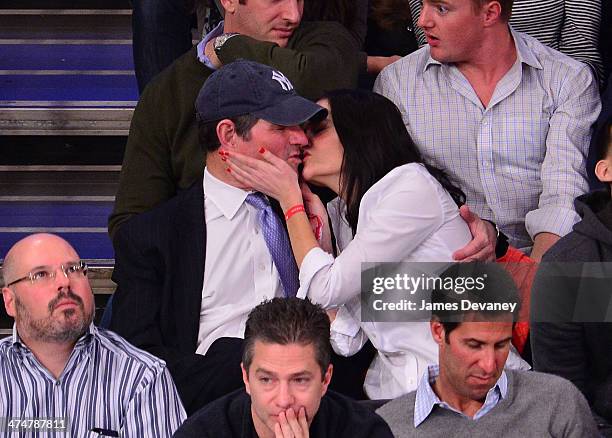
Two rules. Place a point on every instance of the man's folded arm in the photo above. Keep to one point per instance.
(324, 57)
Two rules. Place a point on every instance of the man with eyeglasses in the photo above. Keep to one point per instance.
(58, 372)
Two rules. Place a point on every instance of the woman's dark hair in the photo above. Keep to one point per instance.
(375, 141)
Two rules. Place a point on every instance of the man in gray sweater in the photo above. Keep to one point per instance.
(469, 394)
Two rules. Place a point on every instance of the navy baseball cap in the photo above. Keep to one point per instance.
(246, 87)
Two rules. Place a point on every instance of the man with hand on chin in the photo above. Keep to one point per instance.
(286, 370)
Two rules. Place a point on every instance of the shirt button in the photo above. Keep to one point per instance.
(262, 267)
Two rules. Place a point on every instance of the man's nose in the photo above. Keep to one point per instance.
(292, 11)
(284, 398)
(424, 20)
(298, 136)
(487, 362)
(61, 278)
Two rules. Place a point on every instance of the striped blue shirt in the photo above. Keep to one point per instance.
(520, 160)
(426, 399)
(107, 384)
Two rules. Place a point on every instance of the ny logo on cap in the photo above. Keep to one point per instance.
(282, 80)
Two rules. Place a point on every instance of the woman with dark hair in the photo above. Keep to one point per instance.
(391, 207)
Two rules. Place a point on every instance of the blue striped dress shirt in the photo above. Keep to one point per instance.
(520, 160)
(426, 399)
(107, 385)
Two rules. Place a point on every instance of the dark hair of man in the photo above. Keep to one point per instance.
(375, 141)
(498, 287)
(342, 11)
(207, 131)
(506, 7)
(287, 321)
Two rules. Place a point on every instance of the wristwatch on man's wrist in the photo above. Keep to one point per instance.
(501, 242)
(222, 39)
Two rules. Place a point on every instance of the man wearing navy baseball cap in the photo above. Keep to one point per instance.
(189, 271)
(245, 106)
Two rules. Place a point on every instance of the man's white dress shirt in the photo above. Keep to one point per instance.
(238, 272)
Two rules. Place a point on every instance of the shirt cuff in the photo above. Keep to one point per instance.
(315, 259)
(218, 30)
(345, 324)
(555, 220)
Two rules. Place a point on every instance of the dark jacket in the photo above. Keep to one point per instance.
(159, 271)
(578, 351)
(337, 417)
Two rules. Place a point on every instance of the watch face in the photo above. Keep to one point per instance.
(221, 39)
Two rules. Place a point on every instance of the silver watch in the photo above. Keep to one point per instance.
(222, 39)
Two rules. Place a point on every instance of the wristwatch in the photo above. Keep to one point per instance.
(501, 242)
(222, 39)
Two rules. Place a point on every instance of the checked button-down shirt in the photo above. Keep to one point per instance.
(520, 160)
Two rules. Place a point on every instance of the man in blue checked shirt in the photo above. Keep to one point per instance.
(59, 374)
(468, 394)
(507, 118)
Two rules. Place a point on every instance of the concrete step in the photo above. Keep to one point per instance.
(53, 120)
(53, 28)
(61, 150)
(71, 201)
(66, 71)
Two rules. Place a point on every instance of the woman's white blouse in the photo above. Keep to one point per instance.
(407, 216)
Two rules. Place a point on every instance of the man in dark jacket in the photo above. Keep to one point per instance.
(571, 334)
(286, 371)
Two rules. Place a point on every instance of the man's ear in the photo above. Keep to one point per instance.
(327, 379)
(245, 378)
(492, 12)
(603, 171)
(229, 5)
(437, 331)
(226, 133)
(9, 301)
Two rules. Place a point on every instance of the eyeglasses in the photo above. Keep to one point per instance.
(45, 274)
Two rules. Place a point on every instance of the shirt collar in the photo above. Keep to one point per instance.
(426, 399)
(85, 339)
(524, 53)
(228, 199)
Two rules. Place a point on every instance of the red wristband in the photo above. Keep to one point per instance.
(293, 210)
